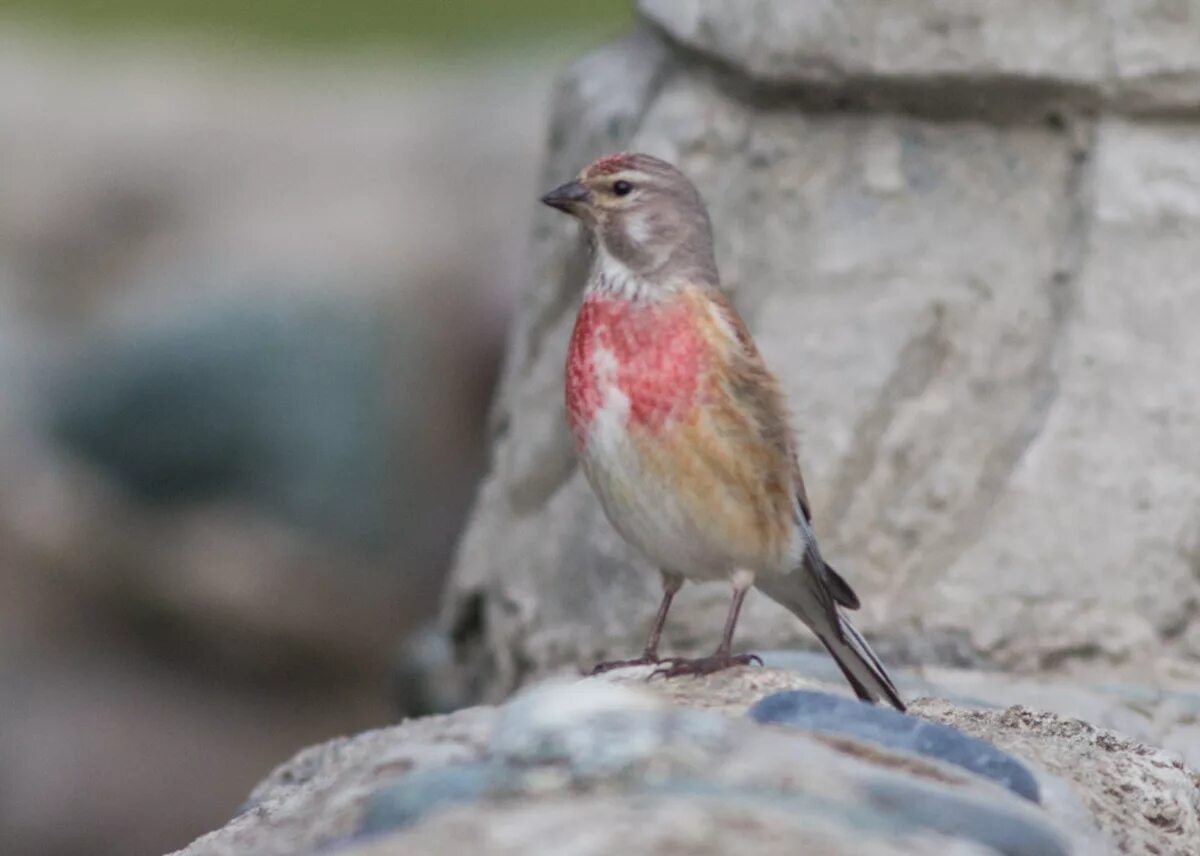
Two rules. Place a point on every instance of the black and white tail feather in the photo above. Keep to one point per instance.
(859, 664)
(816, 594)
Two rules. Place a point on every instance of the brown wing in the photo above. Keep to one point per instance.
(758, 390)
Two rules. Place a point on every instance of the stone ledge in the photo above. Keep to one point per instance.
(1130, 55)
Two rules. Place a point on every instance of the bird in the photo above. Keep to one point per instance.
(680, 428)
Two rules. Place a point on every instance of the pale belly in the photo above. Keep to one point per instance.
(659, 495)
(652, 513)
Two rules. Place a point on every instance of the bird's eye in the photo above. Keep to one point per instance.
(622, 187)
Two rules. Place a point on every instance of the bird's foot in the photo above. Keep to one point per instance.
(675, 667)
(608, 666)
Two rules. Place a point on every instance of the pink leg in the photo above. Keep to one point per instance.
(722, 658)
(671, 584)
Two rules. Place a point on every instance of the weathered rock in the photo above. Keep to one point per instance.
(1161, 710)
(828, 714)
(1155, 54)
(215, 401)
(655, 826)
(585, 763)
(1150, 802)
(1120, 408)
(876, 40)
(415, 795)
(1141, 56)
(1151, 714)
(980, 317)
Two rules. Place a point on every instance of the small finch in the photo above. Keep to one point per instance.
(680, 427)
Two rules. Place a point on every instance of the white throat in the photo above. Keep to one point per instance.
(611, 278)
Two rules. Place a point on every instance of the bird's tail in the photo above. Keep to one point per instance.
(859, 664)
(811, 598)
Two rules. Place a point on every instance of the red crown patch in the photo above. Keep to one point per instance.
(611, 163)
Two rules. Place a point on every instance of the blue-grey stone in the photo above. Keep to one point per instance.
(938, 809)
(410, 797)
(819, 666)
(295, 405)
(832, 714)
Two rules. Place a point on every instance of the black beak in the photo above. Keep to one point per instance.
(567, 197)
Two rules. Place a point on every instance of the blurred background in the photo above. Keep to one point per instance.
(256, 263)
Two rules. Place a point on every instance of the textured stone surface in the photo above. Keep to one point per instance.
(1155, 54)
(611, 763)
(828, 714)
(1141, 56)
(1153, 715)
(980, 317)
(786, 42)
(1155, 808)
(1092, 543)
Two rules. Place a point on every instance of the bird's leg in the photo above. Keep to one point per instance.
(671, 584)
(723, 657)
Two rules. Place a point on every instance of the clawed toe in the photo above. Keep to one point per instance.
(675, 667)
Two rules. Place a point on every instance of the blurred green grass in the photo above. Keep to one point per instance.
(423, 24)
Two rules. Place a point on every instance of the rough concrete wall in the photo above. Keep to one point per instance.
(967, 241)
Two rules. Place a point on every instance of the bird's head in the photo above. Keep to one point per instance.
(644, 214)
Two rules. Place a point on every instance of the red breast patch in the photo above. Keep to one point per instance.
(654, 353)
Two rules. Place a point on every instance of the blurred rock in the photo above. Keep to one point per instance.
(829, 714)
(587, 729)
(412, 797)
(255, 332)
(978, 306)
(617, 764)
(424, 678)
(128, 162)
(309, 407)
(260, 301)
(654, 826)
